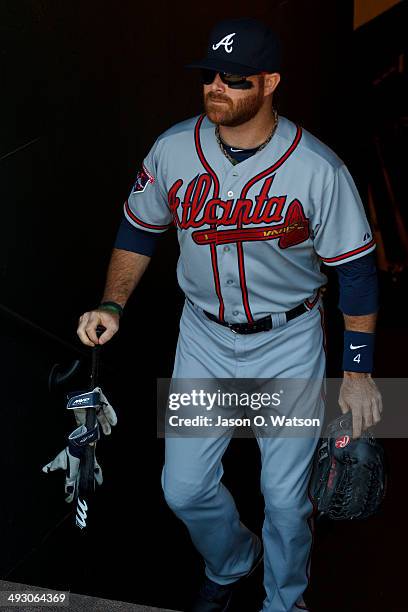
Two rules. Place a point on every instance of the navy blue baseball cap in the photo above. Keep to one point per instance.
(241, 46)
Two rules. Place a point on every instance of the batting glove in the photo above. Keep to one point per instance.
(69, 461)
(70, 464)
(105, 414)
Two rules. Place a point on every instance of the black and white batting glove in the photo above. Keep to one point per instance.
(69, 460)
(105, 413)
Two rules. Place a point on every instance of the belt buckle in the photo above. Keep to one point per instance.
(231, 327)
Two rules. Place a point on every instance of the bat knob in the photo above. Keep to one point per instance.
(99, 330)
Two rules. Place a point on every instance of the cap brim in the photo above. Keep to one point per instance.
(223, 66)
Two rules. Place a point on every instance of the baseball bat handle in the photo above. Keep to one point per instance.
(95, 358)
(86, 483)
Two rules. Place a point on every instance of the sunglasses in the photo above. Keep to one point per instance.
(234, 81)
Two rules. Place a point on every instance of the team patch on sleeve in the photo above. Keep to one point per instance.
(143, 178)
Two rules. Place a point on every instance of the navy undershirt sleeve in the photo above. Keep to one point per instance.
(130, 238)
(358, 285)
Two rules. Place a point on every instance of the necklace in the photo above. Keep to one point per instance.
(261, 146)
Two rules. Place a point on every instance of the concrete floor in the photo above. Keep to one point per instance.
(77, 603)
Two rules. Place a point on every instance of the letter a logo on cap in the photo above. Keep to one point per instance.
(225, 42)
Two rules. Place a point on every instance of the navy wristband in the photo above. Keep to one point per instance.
(358, 351)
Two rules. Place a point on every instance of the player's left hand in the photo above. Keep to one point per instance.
(105, 414)
(360, 394)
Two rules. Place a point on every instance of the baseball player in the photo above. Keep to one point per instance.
(259, 205)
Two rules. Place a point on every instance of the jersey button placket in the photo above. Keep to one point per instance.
(227, 263)
(233, 285)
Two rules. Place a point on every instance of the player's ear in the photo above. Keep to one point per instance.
(271, 81)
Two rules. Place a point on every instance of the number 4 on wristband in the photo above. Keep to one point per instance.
(361, 361)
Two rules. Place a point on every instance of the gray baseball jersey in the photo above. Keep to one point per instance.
(253, 235)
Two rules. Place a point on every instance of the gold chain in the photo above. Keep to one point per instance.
(261, 146)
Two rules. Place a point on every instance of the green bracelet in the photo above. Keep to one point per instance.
(111, 307)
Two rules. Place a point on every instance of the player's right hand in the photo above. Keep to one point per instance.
(88, 323)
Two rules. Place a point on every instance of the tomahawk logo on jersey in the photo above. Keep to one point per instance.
(196, 211)
(253, 235)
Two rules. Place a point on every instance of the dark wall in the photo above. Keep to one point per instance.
(86, 88)
(93, 84)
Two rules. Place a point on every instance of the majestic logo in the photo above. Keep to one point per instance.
(225, 42)
(143, 178)
(342, 441)
(197, 210)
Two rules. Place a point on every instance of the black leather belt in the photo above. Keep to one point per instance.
(264, 324)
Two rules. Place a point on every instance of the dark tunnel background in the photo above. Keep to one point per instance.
(86, 88)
